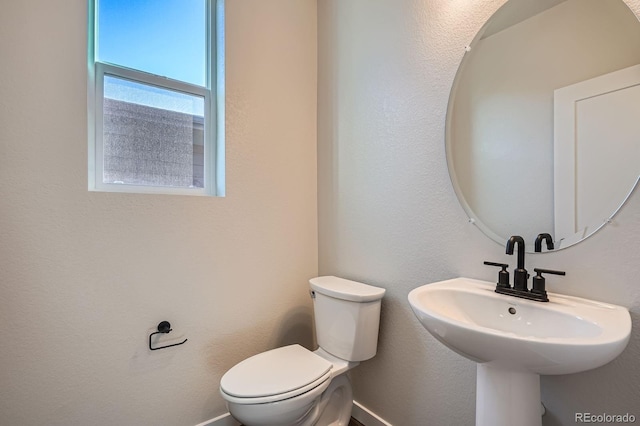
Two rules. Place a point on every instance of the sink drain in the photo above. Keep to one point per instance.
(512, 310)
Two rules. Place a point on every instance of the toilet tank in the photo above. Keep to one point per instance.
(347, 317)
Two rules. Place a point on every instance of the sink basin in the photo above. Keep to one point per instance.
(515, 340)
(562, 336)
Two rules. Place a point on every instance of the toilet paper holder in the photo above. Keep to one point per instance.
(164, 327)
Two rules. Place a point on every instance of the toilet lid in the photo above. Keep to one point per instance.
(339, 288)
(274, 372)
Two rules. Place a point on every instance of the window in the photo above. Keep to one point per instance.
(156, 96)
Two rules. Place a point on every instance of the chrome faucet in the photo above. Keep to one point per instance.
(520, 275)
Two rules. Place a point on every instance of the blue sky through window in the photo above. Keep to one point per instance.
(161, 37)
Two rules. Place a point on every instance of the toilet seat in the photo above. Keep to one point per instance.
(275, 375)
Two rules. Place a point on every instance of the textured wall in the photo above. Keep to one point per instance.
(86, 276)
(388, 214)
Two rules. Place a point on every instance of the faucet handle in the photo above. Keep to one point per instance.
(503, 276)
(548, 271)
(539, 283)
(501, 265)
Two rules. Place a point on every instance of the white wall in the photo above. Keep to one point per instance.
(503, 112)
(86, 276)
(388, 214)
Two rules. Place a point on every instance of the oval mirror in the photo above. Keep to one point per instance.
(543, 123)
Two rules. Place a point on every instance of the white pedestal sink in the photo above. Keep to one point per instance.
(516, 340)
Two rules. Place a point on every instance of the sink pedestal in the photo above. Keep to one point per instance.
(506, 397)
(516, 340)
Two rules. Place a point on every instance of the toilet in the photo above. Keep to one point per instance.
(292, 386)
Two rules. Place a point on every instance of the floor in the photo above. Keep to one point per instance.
(354, 422)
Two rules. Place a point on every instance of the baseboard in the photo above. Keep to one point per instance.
(358, 412)
(223, 420)
(366, 416)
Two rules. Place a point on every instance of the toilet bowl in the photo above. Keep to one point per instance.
(293, 386)
(289, 386)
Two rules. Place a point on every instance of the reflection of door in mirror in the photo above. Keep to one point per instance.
(500, 125)
(596, 150)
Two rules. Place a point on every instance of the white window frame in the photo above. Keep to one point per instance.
(213, 94)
